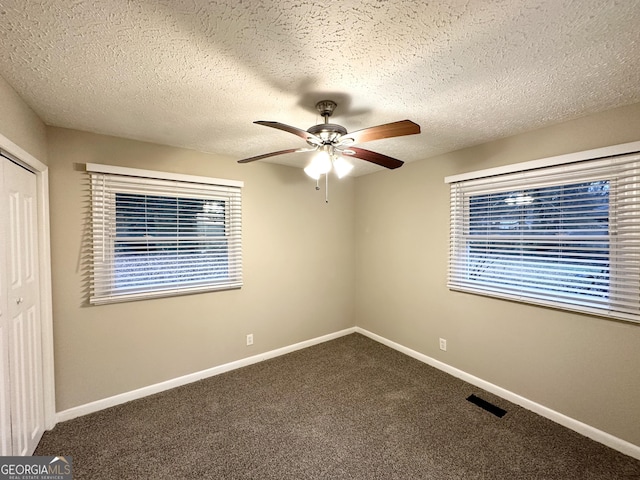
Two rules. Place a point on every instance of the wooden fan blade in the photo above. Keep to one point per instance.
(273, 154)
(388, 130)
(373, 157)
(306, 136)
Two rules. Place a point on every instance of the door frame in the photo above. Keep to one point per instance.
(19, 155)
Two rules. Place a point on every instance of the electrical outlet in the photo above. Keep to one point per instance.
(443, 344)
(250, 339)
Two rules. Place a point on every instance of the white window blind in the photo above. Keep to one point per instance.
(156, 234)
(566, 236)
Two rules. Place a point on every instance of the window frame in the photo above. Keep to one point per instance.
(529, 170)
(155, 183)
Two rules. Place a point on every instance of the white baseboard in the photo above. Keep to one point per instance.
(192, 377)
(588, 431)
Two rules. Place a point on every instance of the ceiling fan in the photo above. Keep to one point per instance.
(333, 142)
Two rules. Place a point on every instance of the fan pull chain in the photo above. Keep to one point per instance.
(326, 188)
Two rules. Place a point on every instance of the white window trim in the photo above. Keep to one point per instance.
(624, 148)
(136, 172)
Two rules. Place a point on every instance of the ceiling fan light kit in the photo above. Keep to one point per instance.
(320, 164)
(342, 167)
(323, 163)
(333, 142)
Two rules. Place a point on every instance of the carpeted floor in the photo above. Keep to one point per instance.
(346, 409)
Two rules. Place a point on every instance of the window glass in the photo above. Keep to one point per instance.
(540, 233)
(171, 239)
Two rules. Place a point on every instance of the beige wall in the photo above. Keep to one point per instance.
(585, 367)
(20, 124)
(298, 274)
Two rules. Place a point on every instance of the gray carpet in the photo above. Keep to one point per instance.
(346, 409)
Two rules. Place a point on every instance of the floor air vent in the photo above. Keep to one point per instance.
(489, 407)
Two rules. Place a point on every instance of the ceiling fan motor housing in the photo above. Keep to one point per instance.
(328, 132)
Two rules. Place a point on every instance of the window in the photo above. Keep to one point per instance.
(157, 234)
(566, 236)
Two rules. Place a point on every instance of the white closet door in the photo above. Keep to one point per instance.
(23, 319)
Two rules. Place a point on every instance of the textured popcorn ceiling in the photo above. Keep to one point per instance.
(196, 74)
